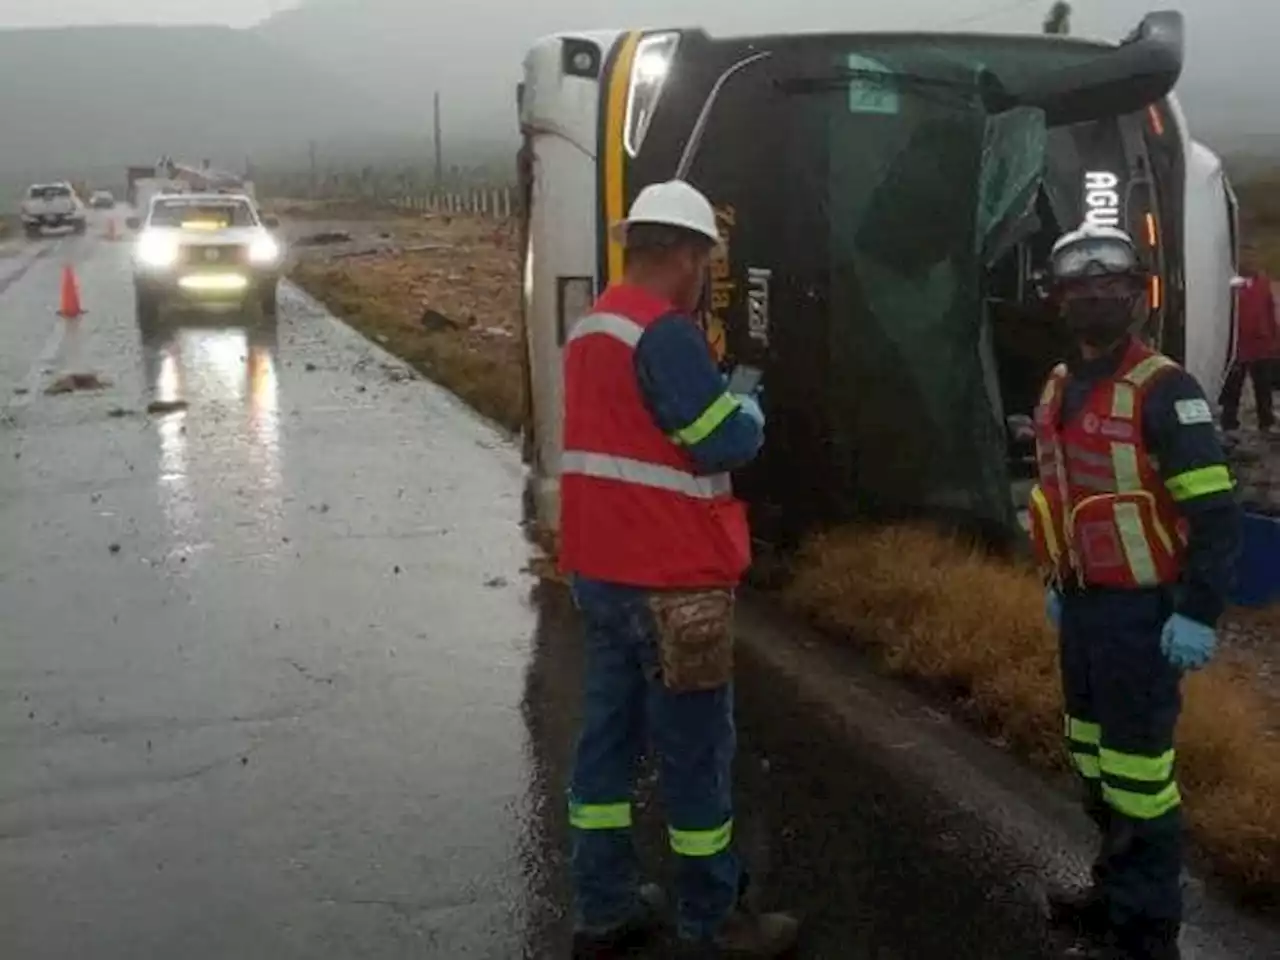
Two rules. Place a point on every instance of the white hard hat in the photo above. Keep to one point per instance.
(675, 204)
(1093, 250)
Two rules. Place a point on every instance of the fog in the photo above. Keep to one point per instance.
(350, 73)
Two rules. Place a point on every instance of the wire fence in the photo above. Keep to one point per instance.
(474, 192)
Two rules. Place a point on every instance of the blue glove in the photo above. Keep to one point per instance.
(751, 407)
(1053, 607)
(1186, 643)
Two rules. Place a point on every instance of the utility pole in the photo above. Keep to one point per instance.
(438, 144)
(311, 149)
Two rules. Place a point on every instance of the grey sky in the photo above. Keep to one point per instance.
(399, 48)
(1106, 17)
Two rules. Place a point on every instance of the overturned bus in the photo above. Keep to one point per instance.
(889, 202)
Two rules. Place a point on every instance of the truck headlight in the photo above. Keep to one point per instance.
(157, 251)
(648, 75)
(264, 251)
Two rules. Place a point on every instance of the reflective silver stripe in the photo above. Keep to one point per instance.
(611, 325)
(602, 466)
(1087, 456)
(1087, 481)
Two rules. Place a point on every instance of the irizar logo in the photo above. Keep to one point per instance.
(1102, 198)
(758, 279)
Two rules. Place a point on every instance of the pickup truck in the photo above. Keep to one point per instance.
(49, 206)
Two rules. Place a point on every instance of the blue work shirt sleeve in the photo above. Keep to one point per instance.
(686, 397)
(1177, 422)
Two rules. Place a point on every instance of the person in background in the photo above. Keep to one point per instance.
(655, 542)
(1257, 348)
(1136, 523)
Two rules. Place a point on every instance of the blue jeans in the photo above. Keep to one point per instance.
(626, 704)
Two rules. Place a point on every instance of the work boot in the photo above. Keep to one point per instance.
(1153, 943)
(631, 933)
(1151, 940)
(747, 936)
(1082, 911)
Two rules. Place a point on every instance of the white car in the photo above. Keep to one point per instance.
(50, 206)
(102, 200)
(201, 247)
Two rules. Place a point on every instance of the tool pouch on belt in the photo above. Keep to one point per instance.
(695, 638)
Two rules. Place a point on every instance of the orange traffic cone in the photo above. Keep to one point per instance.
(111, 228)
(70, 305)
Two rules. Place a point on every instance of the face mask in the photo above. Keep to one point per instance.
(1099, 322)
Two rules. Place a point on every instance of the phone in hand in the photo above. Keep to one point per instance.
(744, 380)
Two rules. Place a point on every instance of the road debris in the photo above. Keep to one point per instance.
(75, 382)
(167, 406)
(323, 238)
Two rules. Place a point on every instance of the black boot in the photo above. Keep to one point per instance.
(632, 933)
(1082, 911)
(746, 934)
(1149, 940)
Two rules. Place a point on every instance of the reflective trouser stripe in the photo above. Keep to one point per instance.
(1200, 483)
(1140, 805)
(1084, 738)
(1139, 786)
(603, 466)
(599, 816)
(1134, 766)
(720, 410)
(702, 843)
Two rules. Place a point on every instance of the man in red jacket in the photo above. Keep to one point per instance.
(1257, 347)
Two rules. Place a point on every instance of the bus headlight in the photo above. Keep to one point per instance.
(264, 251)
(649, 71)
(157, 251)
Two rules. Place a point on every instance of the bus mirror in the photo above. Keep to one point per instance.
(1139, 72)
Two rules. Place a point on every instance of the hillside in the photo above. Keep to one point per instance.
(78, 100)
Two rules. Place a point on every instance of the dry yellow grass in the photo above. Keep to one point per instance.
(477, 355)
(938, 611)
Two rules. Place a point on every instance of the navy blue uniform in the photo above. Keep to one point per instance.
(1122, 694)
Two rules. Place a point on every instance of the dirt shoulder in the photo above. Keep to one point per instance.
(433, 290)
(443, 293)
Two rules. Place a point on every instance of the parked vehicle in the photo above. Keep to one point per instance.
(52, 206)
(102, 200)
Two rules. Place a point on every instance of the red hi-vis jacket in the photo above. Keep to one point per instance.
(1101, 516)
(632, 509)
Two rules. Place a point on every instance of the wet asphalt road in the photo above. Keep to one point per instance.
(274, 683)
